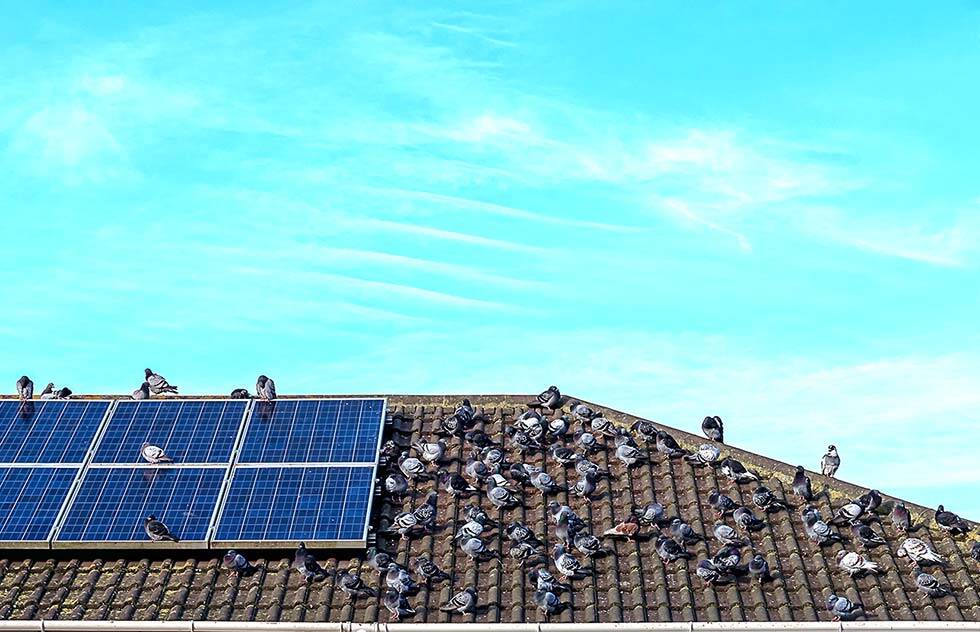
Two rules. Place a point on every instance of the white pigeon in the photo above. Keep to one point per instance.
(830, 461)
(154, 454)
(918, 551)
(855, 563)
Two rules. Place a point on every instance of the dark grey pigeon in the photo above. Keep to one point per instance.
(728, 558)
(646, 430)
(587, 544)
(759, 569)
(950, 522)
(426, 512)
(581, 411)
(712, 574)
(462, 602)
(721, 503)
(25, 387)
(455, 484)
(48, 391)
(765, 499)
(745, 519)
(428, 570)
(158, 384)
(843, 609)
(397, 605)
(143, 392)
(400, 579)
(736, 472)
(901, 518)
(522, 551)
(830, 462)
(584, 487)
(353, 586)
(550, 398)
(518, 532)
(566, 564)
(683, 533)
(727, 535)
(563, 455)
(378, 560)
(306, 564)
(265, 388)
(650, 514)
(713, 428)
(157, 531)
(544, 483)
(666, 444)
(236, 562)
(929, 585)
(819, 531)
(671, 551)
(396, 485)
(866, 535)
(870, 501)
(801, 484)
(975, 551)
(240, 393)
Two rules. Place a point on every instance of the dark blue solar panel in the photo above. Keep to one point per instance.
(48, 431)
(188, 431)
(112, 503)
(296, 503)
(30, 499)
(313, 431)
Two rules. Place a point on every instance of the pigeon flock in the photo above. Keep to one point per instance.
(461, 463)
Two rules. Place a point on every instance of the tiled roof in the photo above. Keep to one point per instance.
(629, 584)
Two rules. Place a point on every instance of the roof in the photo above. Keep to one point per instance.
(630, 584)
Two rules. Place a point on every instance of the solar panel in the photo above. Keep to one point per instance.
(48, 431)
(189, 431)
(111, 504)
(30, 499)
(282, 505)
(313, 431)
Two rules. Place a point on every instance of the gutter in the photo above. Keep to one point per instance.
(252, 626)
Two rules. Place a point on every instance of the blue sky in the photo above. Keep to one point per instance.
(766, 212)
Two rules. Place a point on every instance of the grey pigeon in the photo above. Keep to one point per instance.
(855, 564)
(157, 531)
(475, 549)
(265, 388)
(522, 551)
(586, 466)
(378, 560)
(630, 455)
(849, 512)
(154, 454)
(412, 468)
(830, 462)
(397, 604)
(801, 484)
(390, 452)
(518, 533)
(404, 524)
(584, 487)
(477, 470)
(671, 551)
(426, 512)
(587, 544)
(236, 562)
(975, 551)
(544, 483)
(430, 452)
(522, 472)
(588, 442)
(477, 514)
(563, 455)
(721, 503)
(683, 533)
(550, 398)
(765, 499)
(428, 570)
(736, 472)
(544, 580)
(728, 558)
(866, 535)
(455, 484)
(462, 602)
(353, 586)
(706, 454)
(500, 496)
(713, 428)
(564, 529)
(843, 609)
(547, 602)
(143, 392)
(25, 387)
(158, 384)
(469, 529)
(522, 441)
(306, 564)
(726, 535)
(929, 585)
(603, 427)
(558, 427)
(817, 530)
(396, 485)
(565, 563)
(581, 411)
(950, 522)
(240, 393)
(870, 501)
(667, 445)
(759, 568)
(399, 579)
(901, 518)
(745, 519)
(48, 391)
(645, 429)
(712, 574)
(650, 514)
(465, 412)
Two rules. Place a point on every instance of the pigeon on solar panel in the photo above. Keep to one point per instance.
(265, 388)
(950, 522)
(306, 564)
(683, 533)
(919, 553)
(26, 410)
(650, 514)
(710, 573)
(929, 584)
(462, 602)
(240, 393)
(550, 398)
(901, 518)
(801, 484)
(736, 472)
(759, 569)
(399, 579)
(765, 499)
(397, 604)
(428, 570)
(745, 519)
(157, 531)
(48, 392)
(722, 504)
(667, 445)
(565, 563)
(817, 530)
(975, 551)
(236, 562)
(866, 535)
(547, 602)
(706, 454)
(713, 428)
(628, 528)
(455, 484)
(154, 454)
(843, 608)
(726, 535)
(143, 392)
(353, 586)
(430, 452)
(630, 455)
(580, 411)
(855, 564)
(378, 560)
(412, 468)
(396, 485)
(63, 393)
(830, 461)
(671, 551)
(584, 487)
(25, 387)
(848, 512)
(646, 430)
(158, 384)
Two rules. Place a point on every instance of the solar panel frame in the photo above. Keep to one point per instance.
(49, 403)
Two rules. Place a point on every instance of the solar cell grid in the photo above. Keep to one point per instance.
(30, 499)
(48, 431)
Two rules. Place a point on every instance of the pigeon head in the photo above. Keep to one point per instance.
(262, 380)
(147, 372)
(941, 508)
(831, 448)
(231, 553)
(799, 468)
(466, 402)
(151, 517)
(831, 600)
(840, 555)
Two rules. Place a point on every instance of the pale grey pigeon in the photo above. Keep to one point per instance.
(143, 392)
(154, 454)
(830, 462)
(158, 384)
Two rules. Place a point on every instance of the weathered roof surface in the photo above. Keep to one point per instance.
(630, 584)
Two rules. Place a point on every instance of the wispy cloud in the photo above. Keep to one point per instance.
(443, 235)
(682, 209)
(473, 32)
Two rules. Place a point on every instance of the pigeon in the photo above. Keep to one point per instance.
(650, 514)
(550, 398)
(830, 462)
(706, 454)
(713, 428)
(580, 411)
(849, 512)
(240, 393)
(412, 468)
(587, 544)
(557, 511)
(154, 454)
(843, 609)
(819, 531)
(919, 553)
(671, 551)
(728, 558)
(476, 469)
(630, 455)
(378, 560)
(462, 602)
(522, 441)
(450, 426)
(478, 438)
(866, 535)
(759, 568)
(353, 586)
(493, 457)
(950, 522)
(721, 503)
(25, 387)
(143, 392)
(929, 585)
(518, 533)
(544, 483)
(265, 388)
(425, 513)
(390, 451)
(870, 501)
(476, 549)
(901, 518)
(801, 484)
(603, 427)
(544, 580)
(628, 528)
(236, 562)
(726, 535)
(404, 524)
(430, 452)
(306, 564)
(566, 564)
(745, 519)
(26, 410)
(157, 531)
(558, 427)
(584, 487)
(682, 532)
(397, 604)
(399, 579)
(766, 500)
(975, 551)
(469, 529)
(500, 496)
(587, 441)
(522, 472)
(428, 570)
(563, 455)
(667, 445)
(712, 574)
(856, 564)
(455, 484)
(48, 392)
(522, 551)
(547, 602)
(645, 429)
(158, 384)
(586, 466)
(477, 514)
(396, 485)
(736, 472)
